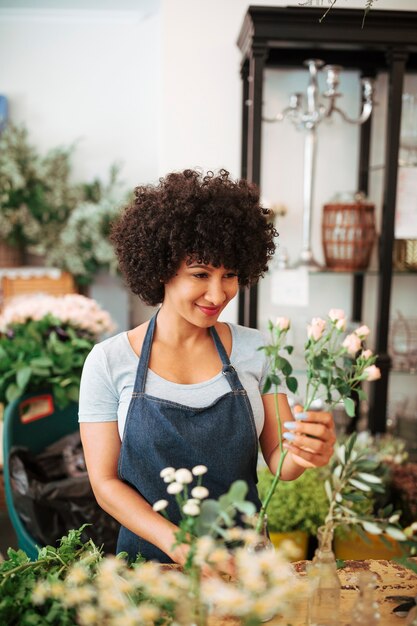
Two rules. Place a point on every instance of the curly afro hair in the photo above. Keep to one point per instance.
(188, 215)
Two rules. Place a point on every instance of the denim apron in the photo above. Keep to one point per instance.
(160, 433)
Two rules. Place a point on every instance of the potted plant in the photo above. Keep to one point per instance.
(387, 456)
(297, 508)
(83, 247)
(36, 196)
(44, 341)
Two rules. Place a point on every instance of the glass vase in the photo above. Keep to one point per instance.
(365, 611)
(261, 541)
(324, 584)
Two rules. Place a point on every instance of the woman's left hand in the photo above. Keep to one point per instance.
(311, 439)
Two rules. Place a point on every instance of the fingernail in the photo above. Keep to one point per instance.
(289, 436)
(301, 416)
(290, 425)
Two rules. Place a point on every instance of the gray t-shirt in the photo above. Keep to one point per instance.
(110, 369)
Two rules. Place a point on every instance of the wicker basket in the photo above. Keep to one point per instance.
(348, 232)
(404, 255)
(10, 256)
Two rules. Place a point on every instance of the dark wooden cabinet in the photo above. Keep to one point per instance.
(273, 37)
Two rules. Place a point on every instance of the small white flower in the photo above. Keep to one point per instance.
(194, 501)
(183, 476)
(200, 492)
(192, 509)
(199, 470)
(175, 488)
(160, 505)
(167, 471)
(169, 479)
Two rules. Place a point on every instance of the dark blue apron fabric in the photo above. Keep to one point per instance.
(160, 433)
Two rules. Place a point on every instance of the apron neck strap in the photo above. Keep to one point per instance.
(220, 347)
(144, 355)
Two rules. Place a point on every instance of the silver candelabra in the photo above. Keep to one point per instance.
(307, 120)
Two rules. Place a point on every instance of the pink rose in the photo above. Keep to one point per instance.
(316, 328)
(366, 354)
(362, 331)
(336, 314)
(372, 373)
(352, 343)
(338, 318)
(282, 323)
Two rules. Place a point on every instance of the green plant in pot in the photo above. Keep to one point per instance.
(297, 508)
(44, 341)
(36, 196)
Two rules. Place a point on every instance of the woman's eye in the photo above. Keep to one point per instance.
(231, 275)
(200, 275)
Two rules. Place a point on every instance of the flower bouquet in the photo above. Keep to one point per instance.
(44, 341)
(336, 365)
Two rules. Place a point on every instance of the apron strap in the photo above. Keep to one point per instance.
(144, 356)
(228, 370)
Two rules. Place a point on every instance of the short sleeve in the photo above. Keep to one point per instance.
(98, 398)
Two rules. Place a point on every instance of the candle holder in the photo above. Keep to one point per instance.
(307, 119)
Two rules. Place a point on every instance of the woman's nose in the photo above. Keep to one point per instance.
(216, 293)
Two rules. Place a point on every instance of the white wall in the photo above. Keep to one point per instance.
(155, 84)
(90, 76)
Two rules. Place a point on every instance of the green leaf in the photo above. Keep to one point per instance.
(369, 478)
(23, 376)
(12, 392)
(371, 528)
(247, 508)
(349, 406)
(292, 384)
(267, 385)
(41, 362)
(289, 349)
(328, 490)
(275, 380)
(395, 533)
(359, 485)
(354, 497)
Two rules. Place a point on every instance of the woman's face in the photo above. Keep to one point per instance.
(199, 293)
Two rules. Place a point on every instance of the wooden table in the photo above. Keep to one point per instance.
(392, 579)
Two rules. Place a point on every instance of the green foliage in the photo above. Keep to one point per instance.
(83, 247)
(19, 575)
(215, 515)
(42, 354)
(36, 196)
(353, 484)
(280, 369)
(299, 504)
(43, 211)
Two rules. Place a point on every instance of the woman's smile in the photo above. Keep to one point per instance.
(209, 310)
(199, 292)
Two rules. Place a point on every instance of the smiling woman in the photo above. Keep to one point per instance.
(183, 389)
